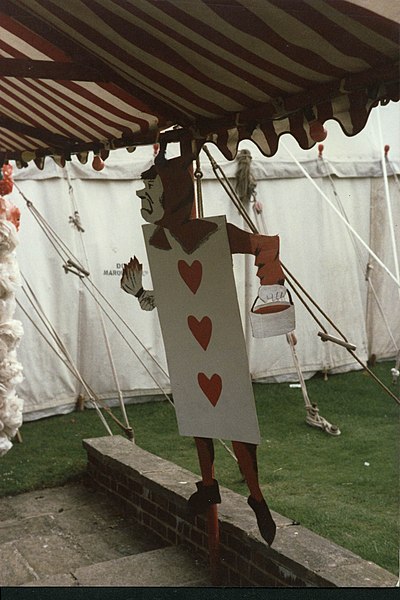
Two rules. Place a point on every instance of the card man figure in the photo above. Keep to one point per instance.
(190, 261)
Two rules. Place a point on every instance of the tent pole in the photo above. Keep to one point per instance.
(369, 266)
(212, 512)
(325, 197)
(213, 544)
(67, 360)
(387, 198)
(100, 314)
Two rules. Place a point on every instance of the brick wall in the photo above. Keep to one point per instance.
(155, 491)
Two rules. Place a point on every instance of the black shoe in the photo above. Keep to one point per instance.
(265, 522)
(206, 495)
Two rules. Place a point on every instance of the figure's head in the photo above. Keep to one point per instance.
(151, 196)
(168, 194)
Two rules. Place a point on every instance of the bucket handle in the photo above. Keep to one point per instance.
(272, 303)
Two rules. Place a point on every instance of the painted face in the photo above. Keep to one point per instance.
(151, 196)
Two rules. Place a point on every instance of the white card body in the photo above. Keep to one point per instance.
(203, 337)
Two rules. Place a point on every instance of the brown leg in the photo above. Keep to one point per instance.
(207, 489)
(205, 453)
(247, 457)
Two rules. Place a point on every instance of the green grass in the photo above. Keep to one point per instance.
(320, 480)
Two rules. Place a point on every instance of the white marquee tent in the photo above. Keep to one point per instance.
(316, 246)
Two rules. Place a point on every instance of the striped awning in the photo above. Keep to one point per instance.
(80, 76)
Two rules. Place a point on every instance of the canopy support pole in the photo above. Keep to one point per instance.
(80, 230)
(360, 259)
(342, 218)
(388, 200)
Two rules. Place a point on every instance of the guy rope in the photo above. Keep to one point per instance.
(71, 264)
(369, 266)
(297, 287)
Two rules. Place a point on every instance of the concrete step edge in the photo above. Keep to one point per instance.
(168, 566)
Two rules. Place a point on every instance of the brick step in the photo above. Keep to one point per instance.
(172, 566)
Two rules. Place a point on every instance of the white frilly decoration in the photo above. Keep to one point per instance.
(11, 332)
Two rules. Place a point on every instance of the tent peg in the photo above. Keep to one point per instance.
(129, 434)
(325, 337)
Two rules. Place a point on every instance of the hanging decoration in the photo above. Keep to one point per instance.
(245, 185)
(317, 131)
(10, 329)
(98, 163)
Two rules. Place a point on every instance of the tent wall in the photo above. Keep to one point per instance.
(315, 246)
(105, 210)
(383, 301)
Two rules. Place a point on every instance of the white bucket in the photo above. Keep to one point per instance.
(274, 317)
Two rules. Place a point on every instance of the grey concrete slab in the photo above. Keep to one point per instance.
(63, 580)
(50, 501)
(349, 573)
(196, 584)
(117, 542)
(36, 503)
(16, 529)
(48, 535)
(51, 554)
(166, 567)
(316, 552)
(14, 569)
(83, 519)
(238, 513)
(7, 511)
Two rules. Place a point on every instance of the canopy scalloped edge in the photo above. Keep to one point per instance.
(350, 106)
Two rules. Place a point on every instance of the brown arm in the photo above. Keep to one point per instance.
(265, 248)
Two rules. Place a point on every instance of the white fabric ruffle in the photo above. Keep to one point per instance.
(11, 331)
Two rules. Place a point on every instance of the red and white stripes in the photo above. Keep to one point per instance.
(207, 64)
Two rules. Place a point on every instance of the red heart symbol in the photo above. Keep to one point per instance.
(191, 274)
(201, 330)
(211, 387)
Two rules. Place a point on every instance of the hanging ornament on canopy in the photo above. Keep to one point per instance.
(98, 163)
(317, 131)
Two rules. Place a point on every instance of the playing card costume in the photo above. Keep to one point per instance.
(194, 291)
